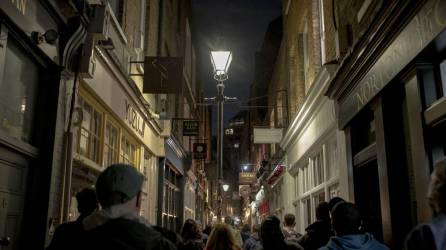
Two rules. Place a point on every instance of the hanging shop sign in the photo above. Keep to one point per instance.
(191, 128)
(200, 151)
(247, 178)
(267, 135)
(163, 75)
(276, 174)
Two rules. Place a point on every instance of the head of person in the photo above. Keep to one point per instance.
(256, 228)
(333, 202)
(207, 230)
(437, 188)
(221, 238)
(246, 228)
(323, 212)
(229, 221)
(289, 220)
(86, 201)
(270, 233)
(119, 184)
(346, 219)
(191, 230)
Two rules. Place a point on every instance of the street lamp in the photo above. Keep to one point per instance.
(221, 60)
(225, 187)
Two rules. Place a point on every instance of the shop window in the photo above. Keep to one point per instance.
(111, 150)
(333, 191)
(306, 208)
(170, 213)
(443, 76)
(129, 152)
(90, 132)
(317, 199)
(332, 167)
(318, 168)
(18, 92)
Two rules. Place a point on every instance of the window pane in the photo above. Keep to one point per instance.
(18, 90)
(443, 76)
(333, 190)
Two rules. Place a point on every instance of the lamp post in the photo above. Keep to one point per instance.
(221, 60)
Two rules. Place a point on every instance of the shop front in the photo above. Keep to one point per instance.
(315, 155)
(111, 126)
(30, 80)
(394, 118)
(171, 186)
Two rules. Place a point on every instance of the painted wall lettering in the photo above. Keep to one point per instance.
(423, 28)
(134, 119)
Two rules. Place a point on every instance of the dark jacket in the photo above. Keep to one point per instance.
(69, 233)
(253, 242)
(195, 244)
(318, 234)
(125, 234)
(354, 242)
(428, 236)
(285, 245)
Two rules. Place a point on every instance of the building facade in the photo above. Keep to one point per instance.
(391, 109)
(32, 85)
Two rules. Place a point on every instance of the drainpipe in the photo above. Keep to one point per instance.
(68, 146)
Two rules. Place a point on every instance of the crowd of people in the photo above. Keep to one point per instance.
(338, 224)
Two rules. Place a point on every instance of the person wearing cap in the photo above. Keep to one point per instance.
(118, 225)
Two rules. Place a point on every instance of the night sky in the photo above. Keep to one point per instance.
(235, 25)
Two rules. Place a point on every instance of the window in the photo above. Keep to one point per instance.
(317, 199)
(306, 55)
(171, 211)
(306, 208)
(117, 7)
(110, 144)
(332, 166)
(443, 76)
(318, 168)
(18, 92)
(129, 152)
(89, 137)
(333, 190)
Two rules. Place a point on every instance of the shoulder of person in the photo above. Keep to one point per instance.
(421, 237)
(292, 245)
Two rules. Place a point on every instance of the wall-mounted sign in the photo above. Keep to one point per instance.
(190, 128)
(163, 75)
(247, 178)
(267, 135)
(200, 151)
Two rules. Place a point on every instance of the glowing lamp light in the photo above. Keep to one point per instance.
(221, 61)
(225, 187)
(245, 167)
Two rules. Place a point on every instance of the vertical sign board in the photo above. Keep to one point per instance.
(191, 128)
(200, 151)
